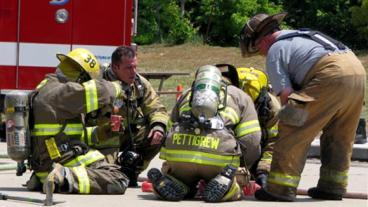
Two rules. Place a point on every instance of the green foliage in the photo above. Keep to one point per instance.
(220, 21)
(360, 21)
(160, 21)
(332, 17)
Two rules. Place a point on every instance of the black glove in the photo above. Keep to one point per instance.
(261, 179)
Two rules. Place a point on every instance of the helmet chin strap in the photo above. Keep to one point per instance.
(83, 77)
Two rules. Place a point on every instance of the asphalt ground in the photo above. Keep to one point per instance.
(11, 185)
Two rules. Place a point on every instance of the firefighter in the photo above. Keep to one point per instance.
(60, 139)
(145, 118)
(321, 86)
(254, 82)
(213, 125)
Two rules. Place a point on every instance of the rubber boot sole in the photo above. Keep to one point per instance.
(215, 191)
(165, 187)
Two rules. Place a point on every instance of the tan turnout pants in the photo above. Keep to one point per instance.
(332, 96)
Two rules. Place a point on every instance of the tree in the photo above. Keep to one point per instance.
(332, 17)
(160, 21)
(360, 21)
(220, 21)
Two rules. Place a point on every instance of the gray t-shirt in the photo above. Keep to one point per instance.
(289, 60)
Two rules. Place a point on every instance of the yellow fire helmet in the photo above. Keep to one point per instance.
(252, 81)
(79, 60)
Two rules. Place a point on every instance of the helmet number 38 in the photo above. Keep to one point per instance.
(91, 61)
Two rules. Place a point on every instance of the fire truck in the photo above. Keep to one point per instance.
(32, 32)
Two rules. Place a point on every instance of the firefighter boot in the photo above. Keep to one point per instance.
(263, 195)
(316, 193)
(219, 187)
(59, 180)
(361, 134)
(34, 183)
(167, 187)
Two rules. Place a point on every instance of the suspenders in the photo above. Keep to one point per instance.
(326, 41)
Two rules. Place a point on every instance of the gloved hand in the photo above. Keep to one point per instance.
(156, 135)
(261, 178)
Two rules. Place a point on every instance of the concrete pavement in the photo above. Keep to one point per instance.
(12, 185)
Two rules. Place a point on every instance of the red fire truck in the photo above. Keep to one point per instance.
(33, 31)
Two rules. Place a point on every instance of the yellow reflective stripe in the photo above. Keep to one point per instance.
(87, 138)
(273, 131)
(53, 129)
(73, 129)
(42, 176)
(83, 180)
(283, 179)
(42, 83)
(46, 129)
(198, 157)
(160, 117)
(117, 89)
(247, 128)
(185, 107)
(169, 125)
(267, 157)
(231, 114)
(86, 159)
(334, 176)
(235, 188)
(91, 95)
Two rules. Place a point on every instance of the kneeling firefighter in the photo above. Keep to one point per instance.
(61, 151)
(213, 125)
(254, 82)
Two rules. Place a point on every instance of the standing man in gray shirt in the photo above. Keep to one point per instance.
(321, 86)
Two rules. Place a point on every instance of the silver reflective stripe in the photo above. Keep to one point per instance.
(53, 129)
(334, 176)
(86, 159)
(283, 179)
(198, 157)
(247, 128)
(91, 95)
(83, 180)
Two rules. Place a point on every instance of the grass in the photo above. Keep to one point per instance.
(188, 57)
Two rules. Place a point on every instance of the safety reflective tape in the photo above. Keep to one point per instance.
(42, 176)
(52, 148)
(117, 89)
(273, 131)
(160, 117)
(198, 157)
(53, 129)
(86, 159)
(87, 138)
(247, 128)
(235, 188)
(83, 179)
(169, 125)
(334, 176)
(42, 83)
(266, 157)
(231, 114)
(184, 108)
(283, 179)
(91, 95)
